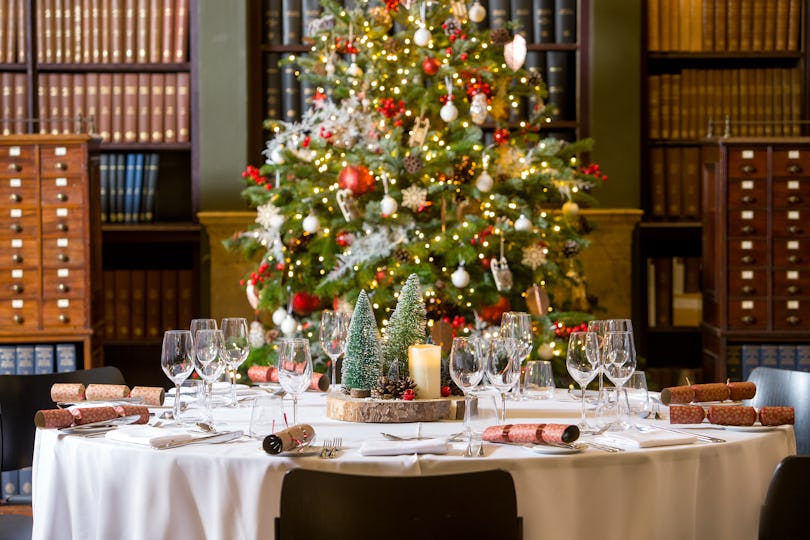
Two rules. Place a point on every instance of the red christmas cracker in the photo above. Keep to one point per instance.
(53, 418)
(130, 410)
(67, 392)
(263, 373)
(686, 414)
(152, 395)
(88, 415)
(104, 392)
(711, 392)
(532, 433)
(739, 391)
(732, 415)
(677, 394)
(776, 416)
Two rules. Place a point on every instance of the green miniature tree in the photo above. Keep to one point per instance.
(406, 326)
(362, 363)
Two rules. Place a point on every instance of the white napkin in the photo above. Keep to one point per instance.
(647, 439)
(396, 448)
(147, 435)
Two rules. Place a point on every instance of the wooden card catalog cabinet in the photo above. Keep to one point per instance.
(756, 246)
(50, 256)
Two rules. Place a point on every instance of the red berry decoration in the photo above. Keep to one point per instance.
(408, 395)
(430, 66)
(501, 136)
(356, 179)
(446, 391)
(344, 239)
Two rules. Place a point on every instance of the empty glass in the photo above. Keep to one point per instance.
(582, 362)
(208, 361)
(177, 361)
(333, 334)
(602, 327)
(619, 365)
(192, 402)
(483, 413)
(538, 381)
(466, 369)
(638, 398)
(501, 365)
(294, 368)
(518, 325)
(235, 349)
(266, 416)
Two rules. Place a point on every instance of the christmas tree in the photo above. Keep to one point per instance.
(405, 328)
(362, 363)
(407, 162)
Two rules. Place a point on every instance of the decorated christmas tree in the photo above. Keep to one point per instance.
(405, 328)
(424, 151)
(363, 361)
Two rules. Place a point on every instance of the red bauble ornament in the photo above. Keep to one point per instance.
(430, 66)
(446, 391)
(492, 314)
(344, 238)
(356, 179)
(501, 136)
(304, 303)
(408, 395)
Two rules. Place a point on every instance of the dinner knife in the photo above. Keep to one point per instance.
(224, 436)
(120, 421)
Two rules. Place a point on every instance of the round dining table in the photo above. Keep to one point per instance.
(97, 488)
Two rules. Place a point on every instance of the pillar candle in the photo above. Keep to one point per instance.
(425, 367)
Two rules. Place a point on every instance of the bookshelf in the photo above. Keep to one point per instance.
(557, 33)
(709, 68)
(124, 70)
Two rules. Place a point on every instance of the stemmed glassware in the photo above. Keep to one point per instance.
(582, 362)
(235, 349)
(518, 325)
(333, 334)
(208, 361)
(294, 368)
(602, 327)
(177, 361)
(501, 365)
(619, 365)
(466, 369)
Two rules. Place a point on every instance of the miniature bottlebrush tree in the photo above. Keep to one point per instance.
(362, 364)
(406, 326)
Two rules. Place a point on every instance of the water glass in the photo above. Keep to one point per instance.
(501, 365)
(619, 365)
(208, 361)
(582, 363)
(235, 349)
(482, 413)
(466, 369)
(333, 334)
(637, 396)
(294, 368)
(518, 325)
(192, 402)
(266, 416)
(177, 360)
(538, 381)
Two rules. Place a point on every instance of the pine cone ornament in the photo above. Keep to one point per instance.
(401, 255)
(500, 36)
(535, 78)
(451, 26)
(412, 164)
(392, 45)
(570, 248)
(390, 388)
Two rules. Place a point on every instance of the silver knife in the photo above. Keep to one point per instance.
(120, 421)
(224, 436)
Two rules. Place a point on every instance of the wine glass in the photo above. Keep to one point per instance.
(602, 327)
(235, 349)
(333, 334)
(294, 368)
(619, 365)
(502, 366)
(518, 325)
(582, 362)
(208, 361)
(466, 369)
(177, 361)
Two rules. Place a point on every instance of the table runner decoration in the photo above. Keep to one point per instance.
(532, 433)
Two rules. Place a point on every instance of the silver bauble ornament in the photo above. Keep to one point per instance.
(484, 182)
(523, 223)
(422, 37)
(256, 335)
(570, 209)
(311, 224)
(448, 112)
(354, 71)
(477, 13)
(478, 109)
(277, 155)
(460, 278)
(279, 315)
(289, 325)
(388, 206)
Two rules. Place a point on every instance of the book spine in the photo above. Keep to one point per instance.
(290, 22)
(658, 186)
(310, 11)
(290, 98)
(306, 90)
(7, 104)
(70, 10)
(116, 32)
(129, 188)
(168, 299)
(734, 363)
(691, 182)
(664, 25)
(105, 105)
(733, 25)
(684, 24)
(180, 30)
(120, 183)
(137, 188)
(272, 21)
(746, 24)
(42, 103)
(769, 30)
(130, 31)
(109, 297)
(150, 180)
(122, 305)
(557, 81)
(272, 86)
(66, 102)
(144, 107)
(20, 102)
(8, 354)
(155, 31)
(185, 298)
(673, 178)
(769, 356)
(6, 31)
(43, 358)
(56, 29)
(522, 16)
(170, 108)
(153, 305)
(707, 26)
(66, 357)
(565, 21)
(498, 13)
(105, 29)
(675, 107)
(156, 116)
(21, 12)
(117, 111)
(696, 25)
(803, 358)
(54, 104)
(665, 118)
(543, 21)
(87, 29)
(720, 25)
(787, 356)
(25, 481)
(114, 211)
(142, 36)
(183, 98)
(130, 107)
(138, 299)
(663, 292)
(167, 37)
(24, 361)
(79, 104)
(104, 181)
(92, 103)
(794, 24)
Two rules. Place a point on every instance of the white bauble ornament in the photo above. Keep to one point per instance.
(484, 182)
(354, 70)
(388, 206)
(478, 108)
(460, 278)
(311, 224)
(545, 351)
(277, 221)
(250, 292)
(570, 209)
(279, 315)
(422, 37)
(523, 223)
(477, 13)
(448, 112)
(289, 325)
(256, 335)
(277, 155)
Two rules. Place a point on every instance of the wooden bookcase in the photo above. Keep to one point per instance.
(127, 72)
(709, 68)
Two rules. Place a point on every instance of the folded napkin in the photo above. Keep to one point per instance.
(647, 439)
(147, 435)
(396, 448)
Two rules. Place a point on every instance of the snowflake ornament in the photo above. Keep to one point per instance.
(269, 216)
(414, 197)
(534, 256)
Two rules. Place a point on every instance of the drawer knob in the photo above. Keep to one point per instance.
(749, 199)
(748, 229)
(749, 319)
(15, 197)
(748, 289)
(63, 287)
(793, 290)
(61, 197)
(748, 259)
(17, 318)
(61, 166)
(794, 259)
(793, 320)
(62, 226)
(64, 318)
(795, 229)
(794, 168)
(16, 227)
(748, 169)
(63, 257)
(16, 167)
(17, 258)
(794, 199)
(17, 288)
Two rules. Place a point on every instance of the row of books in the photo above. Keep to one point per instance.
(128, 186)
(724, 25)
(675, 183)
(742, 359)
(30, 359)
(758, 102)
(288, 22)
(673, 292)
(141, 304)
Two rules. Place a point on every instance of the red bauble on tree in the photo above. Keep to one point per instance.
(430, 65)
(303, 303)
(357, 179)
(344, 238)
(492, 314)
(501, 136)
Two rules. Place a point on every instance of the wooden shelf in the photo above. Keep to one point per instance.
(115, 68)
(151, 232)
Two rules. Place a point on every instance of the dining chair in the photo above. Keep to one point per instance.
(784, 514)
(319, 504)
(786, 387)
(21, 396)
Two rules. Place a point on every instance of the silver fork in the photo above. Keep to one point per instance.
(337, 443)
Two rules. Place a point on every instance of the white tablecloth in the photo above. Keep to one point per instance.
(92, 488)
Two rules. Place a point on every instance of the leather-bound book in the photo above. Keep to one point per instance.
(663, 292)
(185, 298)
(781, 23)
(109, 305)
(720, 25)
(794, 24)
(158, 83)
(746, 24)
(130, 107)
(67, 123)
(123, 328)
(42, 103)
(67, 30)
(91, 101)
(707, 25)
(142, 37)
(56, 29)
(183, 97)
(565, 21)
(690, 182)
(658, 183)
(498, 13)
(6, 102)
(170, 108)
(130, 31)
(522, 16)
(291, 22)
(168, 297)
(144, 107)
(271, 10)
(138, 303)
(105, 29)
(272, 86)
(167, 36)
(672, 157)
(117, 122)
(290, 96)
(116, 32)
(769, 30)
(87, 30)
(180, 30)
(155, 23)
(733, 25)
(543, 20)
(153, 305)
(54, 111)
(20, 102)
(22, 31)
(558, 82)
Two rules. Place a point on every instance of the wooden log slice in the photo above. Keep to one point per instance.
(387, 411)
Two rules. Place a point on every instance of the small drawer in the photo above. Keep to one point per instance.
(791, 223)
(791, 282)
(791, 162)
(19, 282)
(61, 160)
(747, 251)
(748, 313)
(63, 282)
(748, 162)
(747, 222)
(747, 193)
(64, 313)
(22, 221)
(19, 250)
(791, 193)
(62, 220)
(67, 250)
(18, 314)
(19, 190)
(791, 314)
(16, 160)
(747, 282)
(791, 252)
(62, 190)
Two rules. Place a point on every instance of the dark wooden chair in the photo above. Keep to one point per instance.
(21, 396)
(786, 387)
(784, 514)
(317, 504)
